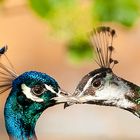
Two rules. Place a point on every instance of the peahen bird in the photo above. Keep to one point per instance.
(102, 86)
(31, 93)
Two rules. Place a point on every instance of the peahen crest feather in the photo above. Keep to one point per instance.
(102, 41)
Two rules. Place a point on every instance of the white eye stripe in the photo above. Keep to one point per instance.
(27, 92)
(50, 88)
(86, 86)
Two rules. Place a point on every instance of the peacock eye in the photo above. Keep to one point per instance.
(38, 89)
(97, 83)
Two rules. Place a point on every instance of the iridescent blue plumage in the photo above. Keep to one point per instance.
(22, 113)
(31, 93)
(35, 77)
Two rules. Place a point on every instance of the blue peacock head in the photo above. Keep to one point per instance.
(31, 93)
(36, 89)
(30, 88)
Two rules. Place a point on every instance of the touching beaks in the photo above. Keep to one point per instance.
(65, 97)
(78, 99)
(69, 99)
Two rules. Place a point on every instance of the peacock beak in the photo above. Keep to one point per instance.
(67, 104)
(70, 103)
(65, 97)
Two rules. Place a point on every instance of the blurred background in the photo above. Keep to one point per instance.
(51, 36)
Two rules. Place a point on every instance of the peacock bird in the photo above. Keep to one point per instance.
(31, 93)
(101, 86)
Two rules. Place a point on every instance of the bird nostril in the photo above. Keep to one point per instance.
(64, 93)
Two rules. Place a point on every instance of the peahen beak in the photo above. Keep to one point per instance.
(75, 101)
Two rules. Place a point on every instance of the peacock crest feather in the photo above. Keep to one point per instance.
(102, 42)
(7, 72)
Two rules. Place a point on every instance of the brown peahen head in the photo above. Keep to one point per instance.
(102, 86)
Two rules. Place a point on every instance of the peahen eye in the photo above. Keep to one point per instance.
(38, 89)
(97, 83)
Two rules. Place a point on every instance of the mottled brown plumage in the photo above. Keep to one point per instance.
(101, 86)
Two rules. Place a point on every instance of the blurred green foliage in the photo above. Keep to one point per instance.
(124, 12)
(49, 8)
(79, 49)
(72, 19)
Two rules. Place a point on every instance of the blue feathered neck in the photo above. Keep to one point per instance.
(21, 114)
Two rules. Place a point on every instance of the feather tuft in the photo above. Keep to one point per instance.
(102, 41)
(7, 72)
